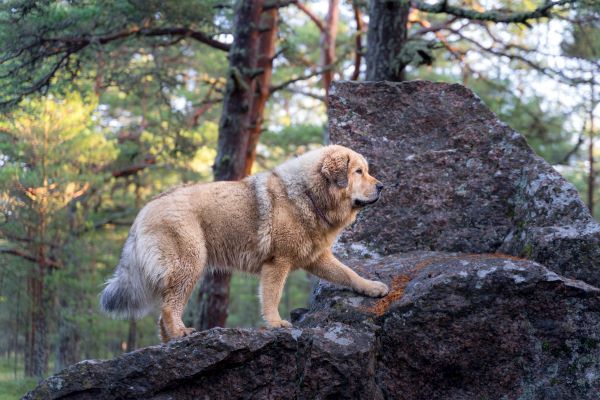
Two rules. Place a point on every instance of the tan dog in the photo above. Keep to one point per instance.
(269, 223)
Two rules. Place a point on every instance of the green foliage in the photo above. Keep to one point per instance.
(13, 385)
(545, 130)
(244, 310)
(41, 38)
(52, 156)
(15, 389)
(584, 40)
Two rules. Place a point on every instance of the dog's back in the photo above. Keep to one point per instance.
(184, 217)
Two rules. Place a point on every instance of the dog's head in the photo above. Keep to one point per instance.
(348, 172)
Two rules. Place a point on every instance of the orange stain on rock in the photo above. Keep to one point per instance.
(395, 294)
(400, 282)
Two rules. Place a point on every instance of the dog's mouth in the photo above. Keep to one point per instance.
(362, 203)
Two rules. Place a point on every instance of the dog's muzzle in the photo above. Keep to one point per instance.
(362, 203)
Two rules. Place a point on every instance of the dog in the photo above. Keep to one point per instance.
(269, 224)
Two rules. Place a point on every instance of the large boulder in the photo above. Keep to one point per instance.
(458, 323)
(455, 326)
(458, 179)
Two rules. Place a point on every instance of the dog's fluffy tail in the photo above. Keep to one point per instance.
(126, 294)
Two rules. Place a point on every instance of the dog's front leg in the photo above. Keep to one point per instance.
(331, 269)
(272, 281)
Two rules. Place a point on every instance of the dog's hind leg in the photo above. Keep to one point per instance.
(272, 281)
(164, 336)
(186, 267)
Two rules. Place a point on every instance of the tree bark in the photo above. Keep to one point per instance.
(386, 39)
(266, 52)
(235, 128)
(358, 42)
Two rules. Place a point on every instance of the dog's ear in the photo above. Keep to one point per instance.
(335, 168)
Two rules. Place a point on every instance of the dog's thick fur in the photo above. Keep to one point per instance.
(269, 224)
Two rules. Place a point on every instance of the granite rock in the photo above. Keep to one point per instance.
(455, 326)
(458, 179)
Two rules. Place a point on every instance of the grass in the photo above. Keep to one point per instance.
(12, 387)
(15, 389)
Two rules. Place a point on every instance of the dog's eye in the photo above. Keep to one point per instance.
(359, 171)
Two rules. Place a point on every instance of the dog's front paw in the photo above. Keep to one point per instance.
(374, 289)
(279, 323)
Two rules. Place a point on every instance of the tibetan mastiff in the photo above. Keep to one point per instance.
(269, 224)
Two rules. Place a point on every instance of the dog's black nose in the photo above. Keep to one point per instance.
(379, 186)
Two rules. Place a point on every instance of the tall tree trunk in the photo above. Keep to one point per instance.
(213, 301)
(67, 351)
(386, 38)
(358, 48)
(234, 126)
(328, 36)
(234, 137)
(38, 325)
(266, 52)
(131, 336)
(591, 174)
(16, 337)
(29, 328)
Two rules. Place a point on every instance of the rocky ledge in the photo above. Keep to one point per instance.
(455, 326)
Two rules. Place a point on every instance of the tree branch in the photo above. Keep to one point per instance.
(285, 84)
(140, 31)
(575, 149)
(135, 168)
(57, 52)
(270, 4)
(29, 257)
(305, 93)
(318, 22)
(552, 73)
(432, 28)
(492, 15)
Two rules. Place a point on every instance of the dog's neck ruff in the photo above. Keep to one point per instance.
(320, 212)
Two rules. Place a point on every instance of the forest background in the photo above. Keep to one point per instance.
(107, 103)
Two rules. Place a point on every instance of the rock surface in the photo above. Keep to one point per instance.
(455, 326)
(459, 179)
(459, 323)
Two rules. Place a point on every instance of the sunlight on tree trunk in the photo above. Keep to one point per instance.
(328, 36)
(266, 52)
